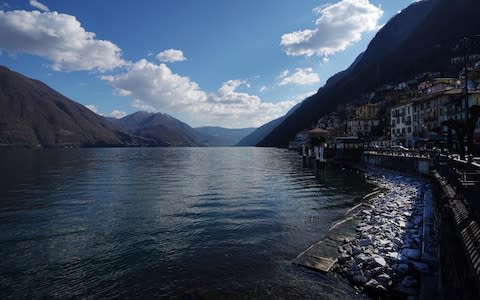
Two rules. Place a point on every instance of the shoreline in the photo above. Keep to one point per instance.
(381, 250)
(386, 258)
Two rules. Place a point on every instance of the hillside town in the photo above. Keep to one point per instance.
(426, 112)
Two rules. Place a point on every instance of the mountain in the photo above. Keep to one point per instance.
(32, 114)
(221, 137)
(422, 38)
(260, 133)
(164, 129)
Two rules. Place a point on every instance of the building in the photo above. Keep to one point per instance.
(361, 127)
(428, 112)
(367, 112)
(401, 118)
(364, 121)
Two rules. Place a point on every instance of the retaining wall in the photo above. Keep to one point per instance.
(407, 164)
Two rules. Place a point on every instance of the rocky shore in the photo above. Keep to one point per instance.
(385, 258)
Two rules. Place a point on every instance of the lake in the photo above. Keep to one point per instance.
(166, 223)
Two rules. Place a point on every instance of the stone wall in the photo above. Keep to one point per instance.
(399, 163)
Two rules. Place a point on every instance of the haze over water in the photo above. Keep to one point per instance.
(166, 222)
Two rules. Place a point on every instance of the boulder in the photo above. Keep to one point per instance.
(378, 261)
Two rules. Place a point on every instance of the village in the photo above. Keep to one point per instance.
(427, 112)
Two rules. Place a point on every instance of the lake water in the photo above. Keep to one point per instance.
(166, 222)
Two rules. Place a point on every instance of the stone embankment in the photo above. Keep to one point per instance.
(386, 257)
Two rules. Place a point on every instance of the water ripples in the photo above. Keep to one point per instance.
(165, 222)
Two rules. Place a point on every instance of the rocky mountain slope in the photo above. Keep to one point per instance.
(34, 115)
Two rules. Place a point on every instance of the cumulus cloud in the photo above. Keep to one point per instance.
(301, 76)
(156, 88)
(171, 55)
(156, 85)
(59, 38)
(117, 114)
(39, 5)
(337, 26)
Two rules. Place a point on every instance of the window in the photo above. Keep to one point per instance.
(409, 129)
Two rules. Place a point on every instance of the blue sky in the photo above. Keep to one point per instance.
(213, 62)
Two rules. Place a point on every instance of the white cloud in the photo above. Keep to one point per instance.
(263, 88)
(156, 85)
(59, 38)
(92, 107)
(171, 55)
(338, 26)
(156, 88)
(39, 5)
(117, 114)
(304, 76)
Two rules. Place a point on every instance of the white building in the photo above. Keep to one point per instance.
(402, 125)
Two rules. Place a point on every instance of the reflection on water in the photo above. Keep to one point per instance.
(194, 222)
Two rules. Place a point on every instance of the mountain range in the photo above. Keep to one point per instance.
(421, 38)
(165, 130)
(424, 37)
(34, 115)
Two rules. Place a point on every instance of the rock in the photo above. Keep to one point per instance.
(384, 242)
(362, 258)
(342, 258)
(398, 242)
(364, 242)
(380, 289)
(378, 261)
(372, 283)
(359, 278)
(374, 287)
(376, 271)
(383, 278)
(356, 250)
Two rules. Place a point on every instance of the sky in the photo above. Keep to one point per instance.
(235, 64)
